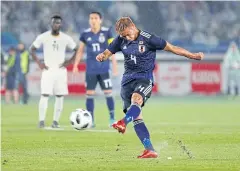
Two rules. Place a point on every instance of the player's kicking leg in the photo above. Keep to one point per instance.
(106, 85)
(140, 94)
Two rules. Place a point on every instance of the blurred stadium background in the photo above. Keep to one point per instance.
(201, 116)
(209, 27)
(198, 26)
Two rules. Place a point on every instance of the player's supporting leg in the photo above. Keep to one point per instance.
(144, 136)
(90, 103)
(43, 104)
(110, 104)
(133, 114)
(58, 107)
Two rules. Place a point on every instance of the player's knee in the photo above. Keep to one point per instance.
(137, 98)
(59, 96)
(90, 95)
(90, 92)
(45, 95)
(108, 93)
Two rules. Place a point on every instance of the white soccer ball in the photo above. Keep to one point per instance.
(81, 119)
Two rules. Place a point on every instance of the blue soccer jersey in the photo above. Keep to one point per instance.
(139, 55)
(95, 44)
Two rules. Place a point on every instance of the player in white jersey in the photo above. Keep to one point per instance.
(54, 73)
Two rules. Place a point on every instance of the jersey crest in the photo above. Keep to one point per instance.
(101, 38)
(141, 47)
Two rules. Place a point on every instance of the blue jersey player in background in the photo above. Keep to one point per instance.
(96, 39)
(139, 50)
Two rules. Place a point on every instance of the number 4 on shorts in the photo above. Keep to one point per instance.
(141, 88)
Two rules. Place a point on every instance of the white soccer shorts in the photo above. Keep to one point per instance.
(54, 81)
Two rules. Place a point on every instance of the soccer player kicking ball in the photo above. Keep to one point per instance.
(139, 50)
(54, 73)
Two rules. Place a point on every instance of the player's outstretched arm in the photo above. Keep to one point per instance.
(104, 56)
(79, 55)
(183, 52)
(35, 58)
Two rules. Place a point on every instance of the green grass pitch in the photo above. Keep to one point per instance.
(208, 127)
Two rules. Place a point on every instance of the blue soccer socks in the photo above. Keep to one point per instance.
(132, 113)
(110, 104)
(143, 134)
(90, 105)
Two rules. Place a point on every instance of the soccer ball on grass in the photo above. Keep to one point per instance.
(81, 119)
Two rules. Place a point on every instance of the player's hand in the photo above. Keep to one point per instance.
(75, 69)
(100, 57)
(198, 56)
(64, 64)
(42, 66)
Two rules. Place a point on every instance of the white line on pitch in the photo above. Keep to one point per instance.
(69, 128)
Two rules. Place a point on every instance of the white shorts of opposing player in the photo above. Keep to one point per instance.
(54, 81)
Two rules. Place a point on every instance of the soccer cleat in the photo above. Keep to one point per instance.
(120, 126)
(41, 124)
(55, 124)
(111, 122)
(148, 154)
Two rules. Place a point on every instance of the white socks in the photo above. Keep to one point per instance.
(58, 107)
(43, 104)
